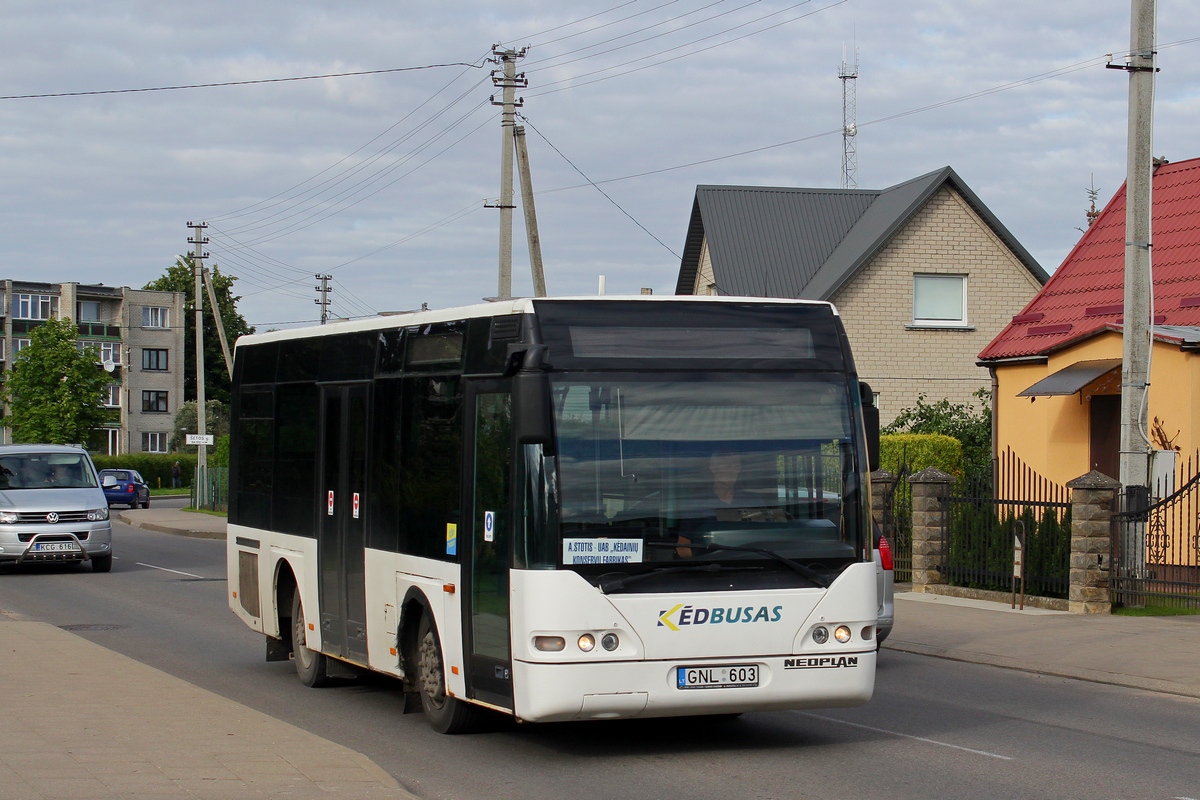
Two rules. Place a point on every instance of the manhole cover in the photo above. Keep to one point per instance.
(75, 628)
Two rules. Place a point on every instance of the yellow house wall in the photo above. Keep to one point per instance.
(1051, 434)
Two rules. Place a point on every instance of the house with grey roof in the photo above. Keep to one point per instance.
(923, 273)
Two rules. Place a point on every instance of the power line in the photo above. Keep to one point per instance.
(598, 189)
(236, 83)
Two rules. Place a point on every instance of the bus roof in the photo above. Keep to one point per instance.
(516, 305)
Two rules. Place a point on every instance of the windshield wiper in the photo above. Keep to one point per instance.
(795, 566)
(614, 582)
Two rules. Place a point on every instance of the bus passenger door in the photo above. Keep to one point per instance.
(341, 536)
(488, 467)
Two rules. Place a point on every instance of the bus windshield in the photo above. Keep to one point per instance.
(728, 463)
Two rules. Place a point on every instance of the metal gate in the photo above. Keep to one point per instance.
(987, 512)
(1156, 548)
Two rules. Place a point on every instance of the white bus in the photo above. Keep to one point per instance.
(562, 509)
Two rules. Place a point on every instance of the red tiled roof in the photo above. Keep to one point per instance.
(1086, 293)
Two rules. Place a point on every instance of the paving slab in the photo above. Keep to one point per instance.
(1158, 654)
(138, 732)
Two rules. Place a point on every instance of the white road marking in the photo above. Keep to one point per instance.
(910, 736)
(164, 569)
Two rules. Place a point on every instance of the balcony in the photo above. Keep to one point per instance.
(93, 330)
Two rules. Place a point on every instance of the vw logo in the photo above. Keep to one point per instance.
(52, 517)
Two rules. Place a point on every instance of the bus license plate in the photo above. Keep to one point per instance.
(54, 547)
(724, 676)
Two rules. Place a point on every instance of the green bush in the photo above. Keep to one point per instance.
(220, 455)
(154, 467)
(921, 450)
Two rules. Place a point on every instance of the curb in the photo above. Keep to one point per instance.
(178, 531)
(1076, 673)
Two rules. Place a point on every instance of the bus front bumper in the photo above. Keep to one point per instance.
(627, 689)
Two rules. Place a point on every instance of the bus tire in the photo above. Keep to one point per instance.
(102, 563)
(310, 665)
(445, 714)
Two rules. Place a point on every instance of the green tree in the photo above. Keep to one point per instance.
(55, 392)
(180, 277)
(969, 424)
(216, 424)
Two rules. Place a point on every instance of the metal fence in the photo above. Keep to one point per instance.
(1156, 545)
(897, 524)
(989, 512)
(210, 488)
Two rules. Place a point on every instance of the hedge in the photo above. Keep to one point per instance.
(154, 467)
(921, 450)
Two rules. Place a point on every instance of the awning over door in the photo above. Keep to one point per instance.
(1070, 380)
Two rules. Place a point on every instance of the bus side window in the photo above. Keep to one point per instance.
(430, 464)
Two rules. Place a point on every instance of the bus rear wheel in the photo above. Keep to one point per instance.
(446, 714)
(310, 665)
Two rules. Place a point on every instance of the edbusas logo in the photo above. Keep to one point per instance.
(680, 615)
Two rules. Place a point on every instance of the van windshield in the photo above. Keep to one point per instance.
(46, 471)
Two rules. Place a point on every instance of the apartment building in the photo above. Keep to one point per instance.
(138, 334)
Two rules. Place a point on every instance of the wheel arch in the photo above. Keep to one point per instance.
(414, 606)
(285, 585)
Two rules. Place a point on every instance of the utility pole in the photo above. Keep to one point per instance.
(324, 289)
(1135, 364)
(508, 81)
(531, 227)
(216, 312)
(198, 239)
(849, 76)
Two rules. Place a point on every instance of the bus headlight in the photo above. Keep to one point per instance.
(842, 634)
(610, 642)
(820, 634)
(549, 644)
(587, 642)
(9, 517)
(98, 514)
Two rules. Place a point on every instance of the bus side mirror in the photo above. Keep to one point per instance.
(533, 419)
(870, 423)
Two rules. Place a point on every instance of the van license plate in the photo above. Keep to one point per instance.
(55, 547)
(723, 676)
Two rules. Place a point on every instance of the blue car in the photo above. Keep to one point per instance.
(125, 486)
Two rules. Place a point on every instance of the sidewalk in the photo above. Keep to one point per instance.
(83, 721)
(175, 520)
(1159, 654)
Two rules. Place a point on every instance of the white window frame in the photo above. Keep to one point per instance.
(19, 345)
(156, 317)
(35, 306)
(79, 305)
(112, 396)
(939, 321)
(113, 435)
(108, 351)
(154, 441)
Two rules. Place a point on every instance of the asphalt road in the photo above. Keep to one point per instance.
(935, 728)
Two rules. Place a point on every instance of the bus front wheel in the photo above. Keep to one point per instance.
(446, 714)
(310, 665)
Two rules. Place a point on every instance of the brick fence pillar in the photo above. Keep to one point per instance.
(882, 482)
(930, 490)
(1093, 497)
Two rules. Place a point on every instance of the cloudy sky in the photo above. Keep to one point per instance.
(381, 179)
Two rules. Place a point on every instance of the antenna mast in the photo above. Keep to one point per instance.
(849, 75)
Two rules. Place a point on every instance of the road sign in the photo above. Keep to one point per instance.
(195, 438)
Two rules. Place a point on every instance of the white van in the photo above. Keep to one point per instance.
(52, 507)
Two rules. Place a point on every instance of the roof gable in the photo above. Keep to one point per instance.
(807, 243)
(1086, 293)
